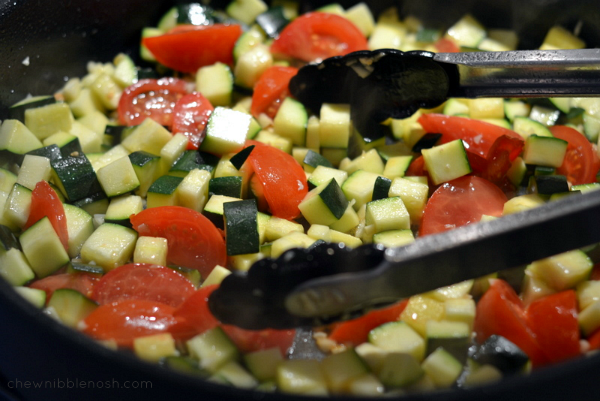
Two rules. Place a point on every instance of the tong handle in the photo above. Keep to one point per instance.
(464, 253)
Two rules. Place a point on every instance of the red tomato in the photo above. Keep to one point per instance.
(187, 48)
(580, 164)
(196, 312)
(271, 89)
(82, 282)
(494, 168)
(595, 274)
(282, 178)
(356, 331)
(553, 320)
(500, 311)
(143, 281)
(444, 45)
(190, 116)
(151, 98)
(257, 340)
(460, 202)
(128, 319)
(194, 241)
(45, 203)
(318, 35)
(416, 168)
(477, 135)
(594, 340)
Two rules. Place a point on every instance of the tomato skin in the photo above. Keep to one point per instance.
(271, 89)
(444, 45)
(356, 331)
(190, 116)
(128, 319)
(45, 203)
(580, 164)
(143, 281)
(460, 202)
(500, 311)
(196, 312)
(194, 242)
(594, 340)
(553, 320)
(477, 135)
(282, 178)
(187, 48)
(151, 98)
(317, 35)
(81, 281)
(257, 340)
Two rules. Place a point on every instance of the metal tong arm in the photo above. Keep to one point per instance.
(525, 73)
(454, 256)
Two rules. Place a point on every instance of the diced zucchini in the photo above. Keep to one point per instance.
(79, 227)
(359, 187)
(163, 191)
(215, 82)
(43, 248)
(486, 108)
(7, 180)
(387, 214)
(396, 166)
(246, 11)
(293, 240)
(460, 310)
(144, 164)
(93, 204)
(442, 368)
(301, 376)
(335, 125)
(17, 138)
(85, 103)
(276, 227)
(228, 186)
(413, 194)
(323, 174)
(393, 238)
(192, 192)
(291, 121)
(14, 267)
(47, 120)
(454, 337)
(121, 207)
(263, 364)
(234, 374)
(118, 177)
(251, 65)
(34, 169)
(213, 349)
(521, 203)
(172, 151)
(33, 295)
(17, 110)
(324, 204)
(361, 16)
(421, 309)
(368, 161)
(216, 276)
(71, 306)
(398, 337)
(17, 206)
(589, 319)
(527, 127)
(559, 38)
(149, 137)
(75, 177)
(154, 347)
(241, 227)
(467, 32)
(588, 292)
(225, 131)
(107, 91)
(516, 108)
(109, 246)
(387, 35)
(562, 271)
(446, 162)
(399, 369)
(341, 369)
(151, 250)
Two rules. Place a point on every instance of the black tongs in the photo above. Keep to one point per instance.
(328, 282)
(390, 83)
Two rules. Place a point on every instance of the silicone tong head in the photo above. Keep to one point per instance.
(377, 84)
(256, 299)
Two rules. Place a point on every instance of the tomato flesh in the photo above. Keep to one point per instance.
(189, 47)
(81, 282)
(190, 116)
(580, 164)
(460, 202)
(151, 98)
(282, 178)
(194, 241)
(315, 36)
(553, 320)
(271, 89)
(500, 311)
(46, 203)
(143, 281)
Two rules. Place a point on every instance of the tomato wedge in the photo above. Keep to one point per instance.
(282, 178)
(317, 35)
(81, 281)
(444, 45)
(477, 135)
(195, 310)
(131, 318)
(460, 202)
(500, 311)
(580, 164)
(356, 331)
(553, 320)
(45, 203)
(186, 48)
(271, 89)
(190, 116)
(594, 340)
(143, 281)
(151, 98)
(194, 241)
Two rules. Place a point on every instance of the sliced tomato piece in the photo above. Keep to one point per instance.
(580, 164)
(187, 48)
(196, 312)
(477, 135)
(46, 203)
(553, 320)
(194, 241)
(460, 202)
(151, 98)
(143, 281)
(594, 340)
(445, 45)
(190, 116)
(282, 178)
(271, 89)
(500, 311)
(356, 331)
(417, 167)
(257, 340)
(81, 281)
(317, 35)
(126, 320)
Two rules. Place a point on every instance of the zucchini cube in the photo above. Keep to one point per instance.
(241, 227)
(446, 162)
(263, 364)
(413, 194)
(109, 246)
(291, 121)
(398, 337)
(43, 248)
(562, 271)
(17, 138)
(155, 347)
(544, 151)
(442, 368)
(163, 191)
(213, 349)
(324, 205)
(340, 369)
(149, 137)
(47, 120)
(335, 125)
(225, 131)
(301, 376)
(387, 214)
(118, 177)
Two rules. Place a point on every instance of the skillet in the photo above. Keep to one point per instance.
(41, 43)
